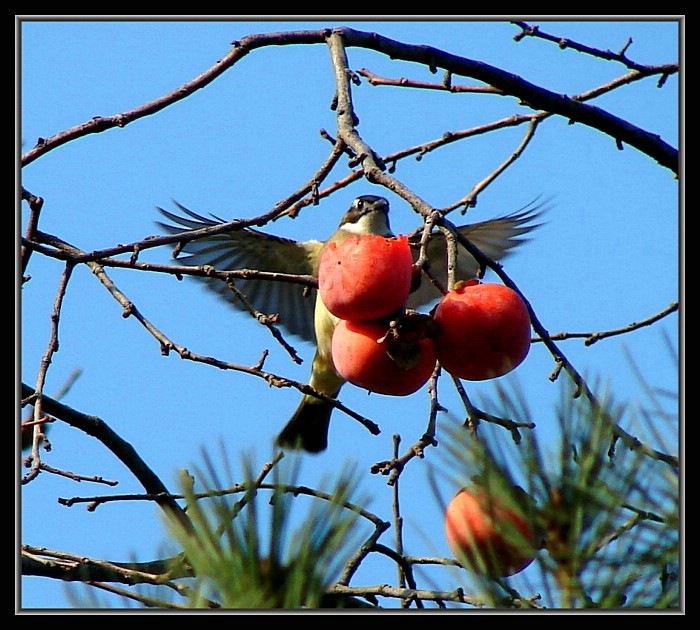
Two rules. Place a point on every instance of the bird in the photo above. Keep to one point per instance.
(301, 312)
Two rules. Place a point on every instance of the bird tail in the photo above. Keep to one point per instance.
(308, 427)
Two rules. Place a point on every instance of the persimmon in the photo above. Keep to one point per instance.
(365, 277)
(488, 534)
(364, 355)
(485, 330)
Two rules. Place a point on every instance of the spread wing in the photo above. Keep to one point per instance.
(252, 249)
(494, 237)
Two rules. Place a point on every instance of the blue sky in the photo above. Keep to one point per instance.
(608, 254)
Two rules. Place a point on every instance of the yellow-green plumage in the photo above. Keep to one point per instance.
(301, 312)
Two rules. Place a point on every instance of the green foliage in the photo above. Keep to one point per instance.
(609, 513)
(249, 553)
(606, 513)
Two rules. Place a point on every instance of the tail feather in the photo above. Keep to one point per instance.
(308, 427)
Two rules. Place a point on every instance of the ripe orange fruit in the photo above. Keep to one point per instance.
(488, 535)
(388, 367)
(365, 277)
(485, 330)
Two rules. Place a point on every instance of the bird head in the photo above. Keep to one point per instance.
(368, 214)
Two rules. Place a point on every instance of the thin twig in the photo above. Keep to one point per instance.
(39, 436)
(384, 590)
(54, 250)
(365, 549)
(398, 520)
(94, 501)
(76, 476)
(423, 262)
(145, 600)
(396, 465)
(475, 415)
(528, 30)
(593, 337)
(266, 320)
(470, 199)
(167, 345)
(375, 79)
(35, 206)
(96, 427)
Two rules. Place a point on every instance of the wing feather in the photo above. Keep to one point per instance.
(252, 249)
(494, 237)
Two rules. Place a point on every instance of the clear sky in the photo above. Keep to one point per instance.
(607, 256)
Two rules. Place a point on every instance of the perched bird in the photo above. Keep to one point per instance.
(301, 313)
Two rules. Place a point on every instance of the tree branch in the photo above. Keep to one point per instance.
(167, 345)
(593, 337)
(533, 95)
(60, 565)
(97, 428)
(528, 30)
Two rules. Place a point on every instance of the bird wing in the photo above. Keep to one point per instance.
(494, 237)
(252, 249)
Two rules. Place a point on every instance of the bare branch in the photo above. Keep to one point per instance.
(564, 42)
(70, 567)
(375, 79)
(470, 199)
(535, 96)
(39, 436)
(35, 206)
(562, 362)
(97, 428)
(475, 415)
(593, 337)
(266, 320)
